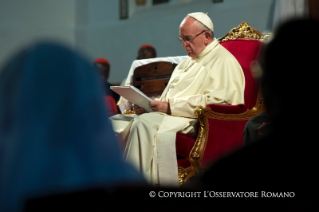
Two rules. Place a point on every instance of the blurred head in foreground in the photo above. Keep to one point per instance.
(288, 83)
(287, 157)
(54, 131)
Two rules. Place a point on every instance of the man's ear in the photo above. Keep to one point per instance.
(207, 37)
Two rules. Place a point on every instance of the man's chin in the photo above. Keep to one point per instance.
(191, 55)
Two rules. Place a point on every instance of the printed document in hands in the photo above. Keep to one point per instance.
(133, 95)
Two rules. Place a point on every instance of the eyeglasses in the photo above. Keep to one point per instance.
(189, 40)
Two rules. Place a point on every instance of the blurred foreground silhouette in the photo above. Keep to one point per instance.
(54, 129)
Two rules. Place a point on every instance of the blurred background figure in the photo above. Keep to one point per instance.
(110, 97)
(104, 67)
(260, 125)
(54, 131)
(146, 51)
(286, 158)
(256, 128)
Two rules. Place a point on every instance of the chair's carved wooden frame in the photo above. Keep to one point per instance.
(242, 31)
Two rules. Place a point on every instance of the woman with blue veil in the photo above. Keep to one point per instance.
(54, 129)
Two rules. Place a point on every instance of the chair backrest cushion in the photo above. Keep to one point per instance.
(245, 51)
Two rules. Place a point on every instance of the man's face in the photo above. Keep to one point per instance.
(187, 30)
(104, 70)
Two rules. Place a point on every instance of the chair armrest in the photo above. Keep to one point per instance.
(227, 109)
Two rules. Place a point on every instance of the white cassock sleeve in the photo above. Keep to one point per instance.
(223, 84)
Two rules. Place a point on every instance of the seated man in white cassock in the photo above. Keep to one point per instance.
(210, 75)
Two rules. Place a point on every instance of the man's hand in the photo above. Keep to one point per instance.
(159, 106)
(137, 109)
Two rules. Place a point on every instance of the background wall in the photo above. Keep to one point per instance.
(95, 29)
(22, 22)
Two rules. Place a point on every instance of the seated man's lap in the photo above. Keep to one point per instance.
(123, 124)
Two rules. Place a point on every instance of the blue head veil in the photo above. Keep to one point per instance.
(54, 129)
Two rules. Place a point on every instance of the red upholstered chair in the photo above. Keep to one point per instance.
(221, 126)
(110, 105)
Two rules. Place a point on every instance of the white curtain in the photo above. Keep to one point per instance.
(287, 9)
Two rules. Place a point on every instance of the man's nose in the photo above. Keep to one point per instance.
(184, 43)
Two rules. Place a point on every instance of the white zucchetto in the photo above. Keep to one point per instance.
(203, 18)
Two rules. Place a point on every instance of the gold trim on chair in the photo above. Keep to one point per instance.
(244, 30)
